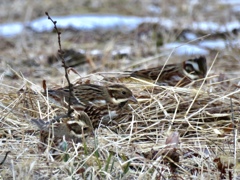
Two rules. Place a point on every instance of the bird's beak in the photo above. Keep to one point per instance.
(133, 99)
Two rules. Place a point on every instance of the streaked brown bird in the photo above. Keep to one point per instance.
(73, 128)
(101, 103)
(179, 74)
(85, 95)
(109, 115)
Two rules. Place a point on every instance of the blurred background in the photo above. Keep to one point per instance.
(113, 36)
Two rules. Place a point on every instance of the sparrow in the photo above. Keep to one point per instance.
(179, 74)
(85, 95)
(108, 115)
(73, 128)
(101, 103)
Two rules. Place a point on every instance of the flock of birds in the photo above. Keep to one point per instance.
(97, 104)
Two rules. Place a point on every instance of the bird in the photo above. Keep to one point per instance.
(71, 127)
(178, 74)
(85, 95)
(108, 115)
(103, 104)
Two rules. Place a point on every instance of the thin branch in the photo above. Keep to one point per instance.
(61, 53)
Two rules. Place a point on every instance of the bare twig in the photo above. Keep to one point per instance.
(61, 53)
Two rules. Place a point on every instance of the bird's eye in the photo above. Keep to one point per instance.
(189, 69)
(123, 92)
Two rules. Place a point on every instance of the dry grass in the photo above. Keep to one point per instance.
(173, 133)
(201, 117)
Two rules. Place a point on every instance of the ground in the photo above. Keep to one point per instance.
(202, 120)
